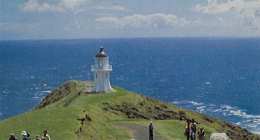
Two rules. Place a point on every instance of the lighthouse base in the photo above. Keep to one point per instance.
(103, 88)
(90, 87)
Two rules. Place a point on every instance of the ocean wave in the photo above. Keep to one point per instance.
(243, 119)
(46, 91)
(39, 95)
(36, 97)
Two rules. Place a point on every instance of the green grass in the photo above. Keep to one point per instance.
(61, 118)
(168, 129)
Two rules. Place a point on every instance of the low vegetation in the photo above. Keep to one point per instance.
(69, 113)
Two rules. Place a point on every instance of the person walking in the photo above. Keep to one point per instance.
(151, 130)
(201, 134)
(193, 129)
(12, 137)
(187, 131)
(46, 136)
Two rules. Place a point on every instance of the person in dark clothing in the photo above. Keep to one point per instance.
(193, 129)
(25, 135)
(187, 131)
(12, 137)
(151, 131)
(201, 134)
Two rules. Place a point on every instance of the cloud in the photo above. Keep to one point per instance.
(217, 6)
(223, 6)
(76, 6)
(156, 20)
(247, 10)
(47, 6)
(112, 8)
(34, 5)
(72, 4)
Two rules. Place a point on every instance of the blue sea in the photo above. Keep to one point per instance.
(216, 76)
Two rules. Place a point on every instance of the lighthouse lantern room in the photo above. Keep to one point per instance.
(101, 70)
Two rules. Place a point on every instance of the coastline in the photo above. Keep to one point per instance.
(69, 99)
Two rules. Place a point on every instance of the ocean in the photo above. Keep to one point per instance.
(215, 76)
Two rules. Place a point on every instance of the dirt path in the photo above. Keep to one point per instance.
(139, 132)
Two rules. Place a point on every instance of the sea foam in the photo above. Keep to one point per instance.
(243, 119)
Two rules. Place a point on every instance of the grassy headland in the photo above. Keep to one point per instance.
(71, 114)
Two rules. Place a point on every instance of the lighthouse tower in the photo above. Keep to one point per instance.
(101, 70)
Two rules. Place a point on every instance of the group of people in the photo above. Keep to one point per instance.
(191, 132)
(26, 136)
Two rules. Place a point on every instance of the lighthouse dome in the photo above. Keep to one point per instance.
(101, 53)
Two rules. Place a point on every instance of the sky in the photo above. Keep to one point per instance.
(72, 19)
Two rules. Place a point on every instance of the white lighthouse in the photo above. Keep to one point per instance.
(101, 70)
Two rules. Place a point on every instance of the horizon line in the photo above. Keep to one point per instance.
(110, 38)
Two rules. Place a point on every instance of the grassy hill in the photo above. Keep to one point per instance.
(69, 113)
